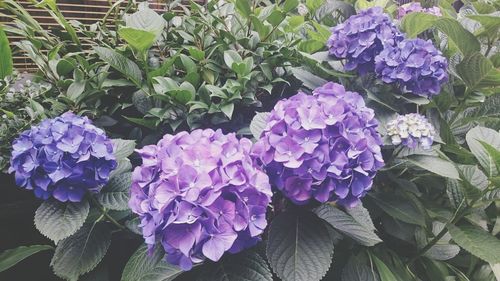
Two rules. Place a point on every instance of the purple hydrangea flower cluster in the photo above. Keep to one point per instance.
(201, 194)
(322, 146)
(361, 37)
(417, 7)
(64, 158)
(411, 130)
(415, 65)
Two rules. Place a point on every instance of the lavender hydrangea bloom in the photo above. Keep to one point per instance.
(201, 194)
(361, 37)
(323, 147)
(64, 158)
(415, 65)
(417, 7)
(411, 130)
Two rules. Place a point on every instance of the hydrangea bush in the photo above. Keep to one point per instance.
(257, 140)
(64, 158)
(201, 194)
(323, 146)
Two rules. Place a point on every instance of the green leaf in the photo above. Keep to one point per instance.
(474, 138)
(347, 225)
(490, 23)
(435, 164)
(244, 266)
(309, 80)
(299, 247)
(51, 7)
(81, 252)
(357, 270)
(227, 109)
(123, 166)
(6, 64)
(188, 63)
(258, 124)
(399, 207)
(57, 220)
(115, 194)
(416, 23)
(463, 39)
(231, 57)
(148, 123)
(121, 63)
(123, 148)
(146, 19)
(144, 267)
(478, 72)
(140, 40)
(142, 101)
(493, 153)
(290, 5)
(383, 271)
(243, 6)
(477, 241)
(11, 257)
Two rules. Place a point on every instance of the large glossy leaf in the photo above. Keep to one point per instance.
(11, 257)
(245, 266)
(121, 63)
(399, 207)
(416, 23)
(140, 40)
(477, 241)
(347, 225)
(258, 124)
(477, 72)
(115, 194)
(299, 247)
(5, 55)
(144, 267)
(435, 164)
(81, 252)
(58, 220)
(466, 42)
(474, 138)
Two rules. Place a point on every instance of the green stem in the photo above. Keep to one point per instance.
(104, 213)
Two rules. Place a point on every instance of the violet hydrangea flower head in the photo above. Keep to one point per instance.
(411, 130)
(361, 37)
(321, 147)
(64, 158)
(417, 7)
(415, 65)
(200, 194)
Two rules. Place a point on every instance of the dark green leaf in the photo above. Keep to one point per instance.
(478, 72)
(309, 80)
(144, 267)
(11, 257)
(399, 207)
(57, 220)
(115, 194)
(81, 252)
(299, 247)
(477, 241)
(6, 64)
(121, 63)
(435, 164)
(383, 271)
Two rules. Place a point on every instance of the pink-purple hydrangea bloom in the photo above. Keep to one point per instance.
(417, 7)
(362, 37)
(415, 65)
(200, 194)
(64, 158)
(323, 146)
(411, 130)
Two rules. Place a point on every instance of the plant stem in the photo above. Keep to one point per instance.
(104, 212)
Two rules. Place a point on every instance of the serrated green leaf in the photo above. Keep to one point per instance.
(399, 207)
(123, 166)
(57, 220)
(474, 138)
(478, 72)
(299, 247)
(81, 252)
(11, 257)
(144, 267)
(477, 241)
(115, 194)
(123, 148)
(244, 266)
(347, 225)
(463, 39)
(416, 23)
(6, 64)
(258, 124)
(121, 63)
